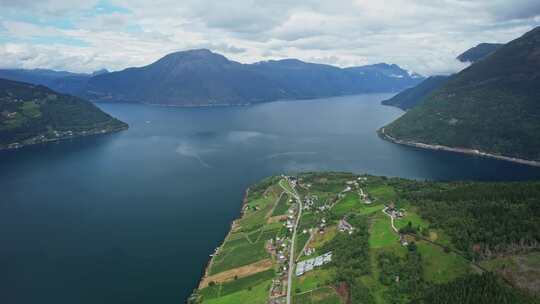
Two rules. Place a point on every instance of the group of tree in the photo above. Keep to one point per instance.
(350, 256)
(402, 275)
(483, 219)
(474, 289)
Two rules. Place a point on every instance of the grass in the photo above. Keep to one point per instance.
(240, 252)
(31, 109)
(381, 234)
(282, 205)
(325, 295)
(349, 203)
(254, 220)
(285, 185)
(301, 240)
(320, 239)
(257, 294)
(440, 266)
(314, 279)
(383, 193)
(370, 209)
(413, 218)
(220, 290)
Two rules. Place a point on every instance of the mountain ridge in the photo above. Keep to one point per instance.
(201, 77)
(491, 107)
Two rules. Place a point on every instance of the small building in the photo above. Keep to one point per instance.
(344, 226)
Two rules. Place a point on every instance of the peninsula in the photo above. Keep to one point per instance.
(32, 114)
(345, 238)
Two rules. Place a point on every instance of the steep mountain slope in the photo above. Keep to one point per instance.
(479, 52)
(60, 81)
(492, 106)
(412, 96)
(31, 114)
(201, 77)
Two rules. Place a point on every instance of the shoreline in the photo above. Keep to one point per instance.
(240, 104)
(16, 146)
(467, 151)
(231, 228)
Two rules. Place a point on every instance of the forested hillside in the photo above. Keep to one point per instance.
(413, 96)
(492, 106)
(32, 114)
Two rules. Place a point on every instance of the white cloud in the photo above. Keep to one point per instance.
(420, 35)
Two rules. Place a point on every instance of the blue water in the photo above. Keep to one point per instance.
(132, 217)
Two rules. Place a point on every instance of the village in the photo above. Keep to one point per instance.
(306, 220)
(282, 249)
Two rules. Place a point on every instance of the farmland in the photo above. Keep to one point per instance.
(350, 216)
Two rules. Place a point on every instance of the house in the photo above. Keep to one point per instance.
(403, 240)
(344, 226)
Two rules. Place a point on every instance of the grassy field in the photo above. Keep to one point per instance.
(439, 266)
(247, 244)
(240, 252)
(381, 234)
(413, 218)
(349, 203)
(246, 283)
(313, 280)
(257, 294)
(285, 185)
(282, 206)
(382, 193)
(325, 295)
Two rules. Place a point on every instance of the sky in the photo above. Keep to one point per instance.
(423, 36)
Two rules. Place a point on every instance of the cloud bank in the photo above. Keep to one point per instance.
(420, 35)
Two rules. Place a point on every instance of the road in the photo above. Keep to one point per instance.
(391, 220)
(293, 239)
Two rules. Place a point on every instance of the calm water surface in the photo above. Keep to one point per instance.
(132, 217)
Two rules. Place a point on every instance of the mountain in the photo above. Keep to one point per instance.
(201, 77)
(493, 106)
(384, 77)
(31, 114)
(412, 96)
(60, 81)
(99, 72)
(478, 52)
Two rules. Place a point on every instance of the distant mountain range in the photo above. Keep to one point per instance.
(201, 77)
(31, 114)
(60, 81)
(410, 97)
(493, 106)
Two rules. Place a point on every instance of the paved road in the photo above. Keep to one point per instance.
(293, 239)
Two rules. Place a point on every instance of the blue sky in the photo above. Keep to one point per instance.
(420, 35)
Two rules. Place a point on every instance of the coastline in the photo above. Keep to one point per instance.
(385, 136)
(36, 140)
(233, 223)
(239, 104)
